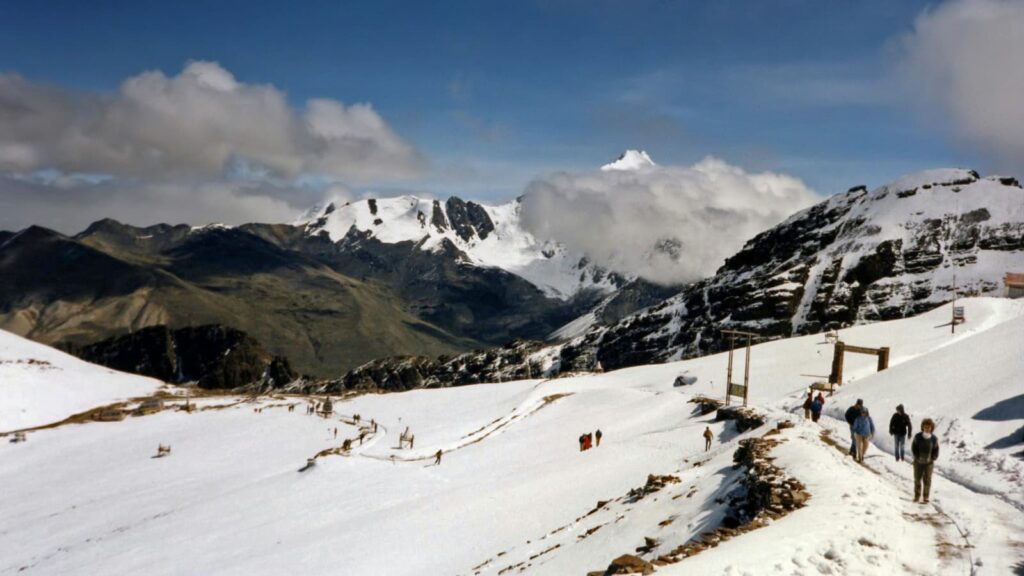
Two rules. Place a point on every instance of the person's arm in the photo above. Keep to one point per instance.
(935, 448)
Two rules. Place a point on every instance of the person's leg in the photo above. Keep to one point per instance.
(862, 447)
(853, 443)
(927, 480)
(918, 473)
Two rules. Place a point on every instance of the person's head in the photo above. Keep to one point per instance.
(900, 408)
(860, 401)
(928, 425)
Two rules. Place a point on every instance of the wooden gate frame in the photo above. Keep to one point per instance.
(732, 388)
(841, 348)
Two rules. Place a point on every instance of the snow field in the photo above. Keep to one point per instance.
(513, 488)
(40, 385)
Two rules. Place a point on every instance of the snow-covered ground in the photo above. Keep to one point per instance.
(513, 489)
(40, 385)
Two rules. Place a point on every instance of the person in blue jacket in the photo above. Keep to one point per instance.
(863, 431)
(851, 415)
(816, 407)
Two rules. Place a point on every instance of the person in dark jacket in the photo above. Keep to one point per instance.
(816, 407)
(583, 439)
(708, 435)
(807, 405)
(900, 429)
(597, 436)
(925, 449)
(851, 415)
(863, 431)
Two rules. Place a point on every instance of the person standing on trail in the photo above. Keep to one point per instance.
(900, 428)
(335, 432)
(583, 440)
(807, 405)
(597, 436)
(863, 430)
(925, 450)
(851, 416)
(708, 435)
(816, 407)
(437, 457)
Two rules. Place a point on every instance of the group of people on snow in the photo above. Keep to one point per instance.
(587, 440)
(813, 405)
(924, 448)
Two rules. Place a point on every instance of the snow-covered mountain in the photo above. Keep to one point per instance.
(630, 160)
(857, 257)
(487, 236)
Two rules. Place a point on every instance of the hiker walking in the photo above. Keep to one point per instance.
(816, 407)
(807, 405)
(900, 428)
(437, 457)
(863, 430)
(925, 450)
(335, 432)
(851, 416)
(588, 443)
(708, 435)
(597, 436)
(583, 441)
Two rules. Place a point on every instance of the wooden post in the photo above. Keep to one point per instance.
(837, 364)
(883, 358)
(746, 373)
(728, 371)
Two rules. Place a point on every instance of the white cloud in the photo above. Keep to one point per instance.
(194, 124)
(69, 203)
(964, 60)
(666, 224)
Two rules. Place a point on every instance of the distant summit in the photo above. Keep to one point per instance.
(630, 160)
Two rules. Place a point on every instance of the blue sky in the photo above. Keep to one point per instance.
(242, 111)
(495, 92)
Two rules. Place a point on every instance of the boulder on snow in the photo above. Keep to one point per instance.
(629, 564)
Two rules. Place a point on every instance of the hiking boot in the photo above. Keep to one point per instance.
(916, 498)
(925, 501)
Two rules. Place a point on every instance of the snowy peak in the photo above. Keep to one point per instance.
(858, 257)
(630, 160)
(486, 236)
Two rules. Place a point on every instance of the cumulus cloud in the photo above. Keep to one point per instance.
(963, 59)
(200, 122)
(665, 224)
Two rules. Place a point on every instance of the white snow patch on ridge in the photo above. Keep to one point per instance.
(40, 385)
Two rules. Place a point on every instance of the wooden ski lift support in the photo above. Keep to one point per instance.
(732, 388)
(841, 348)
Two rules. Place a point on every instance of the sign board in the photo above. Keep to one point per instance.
(958, 313)
(737, 390)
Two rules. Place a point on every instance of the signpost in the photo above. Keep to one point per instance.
(733, 388)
